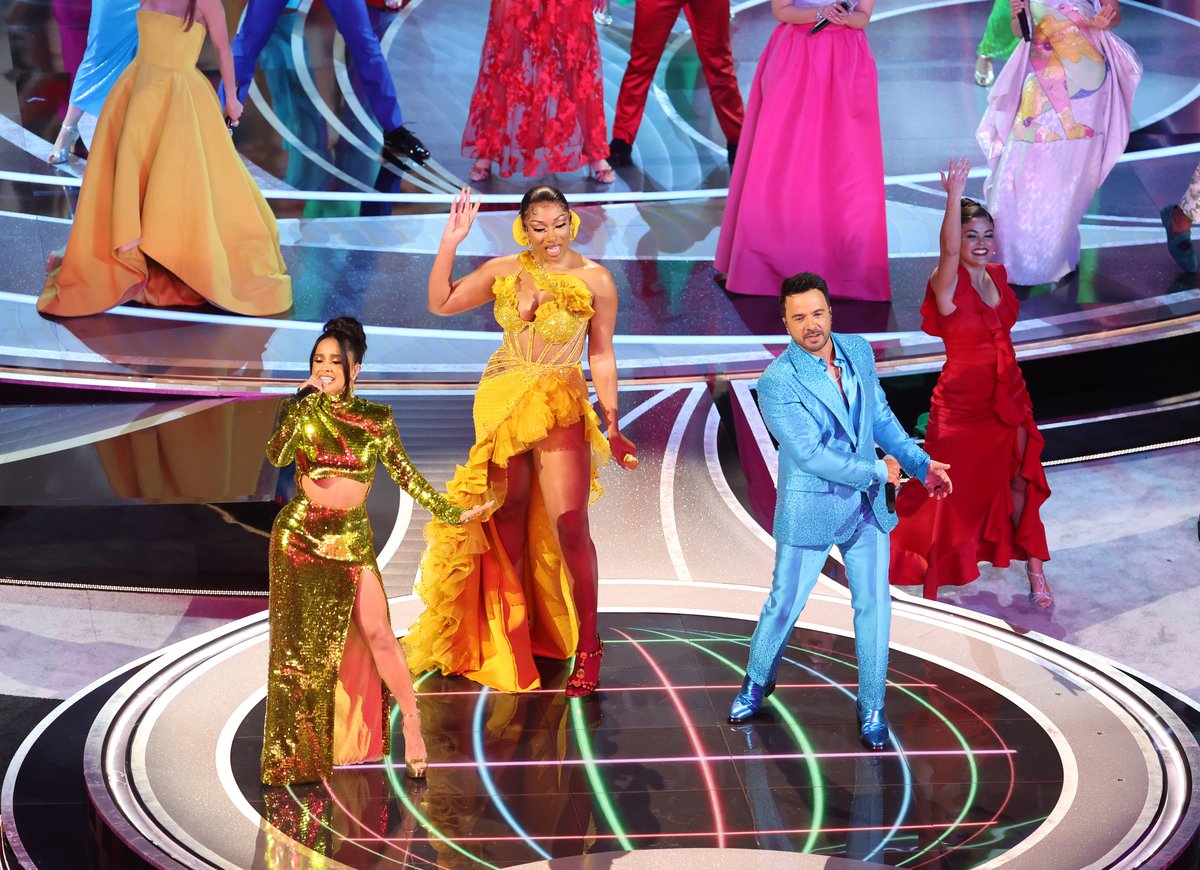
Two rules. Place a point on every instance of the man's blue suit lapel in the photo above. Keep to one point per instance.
(818, 382)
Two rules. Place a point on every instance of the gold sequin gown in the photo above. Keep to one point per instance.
(326, 704)
(481, 620)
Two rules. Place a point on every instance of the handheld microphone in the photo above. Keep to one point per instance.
(889, 492)
(822, 23)
(1023, 20)
(305, 391)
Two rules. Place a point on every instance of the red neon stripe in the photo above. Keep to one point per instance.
(705, 770)
(375, 837)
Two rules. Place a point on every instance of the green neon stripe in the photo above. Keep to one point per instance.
(814, 766)
(583, 738)
(958, 735)
(970, 801)
(402, 794)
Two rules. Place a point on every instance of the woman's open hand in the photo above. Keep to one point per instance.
(1106, 18)
(470, 513)
(462, 215)
(954, 179)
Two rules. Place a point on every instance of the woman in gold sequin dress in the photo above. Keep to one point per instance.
(524, 583)
(334, 658)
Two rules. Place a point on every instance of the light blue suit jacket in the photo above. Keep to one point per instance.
(827, 460)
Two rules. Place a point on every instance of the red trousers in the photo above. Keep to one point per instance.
(652, 23)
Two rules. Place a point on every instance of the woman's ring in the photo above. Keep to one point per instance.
(629, 461)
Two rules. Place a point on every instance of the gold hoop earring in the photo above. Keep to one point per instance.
(518, 232)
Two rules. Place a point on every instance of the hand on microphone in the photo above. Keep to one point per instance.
(835, 13)
(312, 385)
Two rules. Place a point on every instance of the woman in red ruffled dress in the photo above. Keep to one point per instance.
(980, 422)
(538, 105)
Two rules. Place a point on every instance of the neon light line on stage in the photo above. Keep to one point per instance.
(814, 768)
(583, 738)
(700, 759)
(481, 764)
(722, 686)
(927, 826)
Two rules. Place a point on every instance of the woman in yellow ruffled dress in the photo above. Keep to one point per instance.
(168, 214)
(525, 582)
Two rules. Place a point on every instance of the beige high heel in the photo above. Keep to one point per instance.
(414, 768)
(1039, 589)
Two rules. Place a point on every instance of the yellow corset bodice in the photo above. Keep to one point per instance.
(162, 41)
(560, 322)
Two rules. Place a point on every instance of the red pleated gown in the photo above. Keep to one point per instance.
(980, 405)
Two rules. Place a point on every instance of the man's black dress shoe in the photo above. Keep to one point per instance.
(620, 152)
(400, 143)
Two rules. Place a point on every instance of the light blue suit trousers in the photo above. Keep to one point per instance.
(864, 546)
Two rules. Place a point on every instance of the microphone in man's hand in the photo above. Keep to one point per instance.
(889, 493)
(822, 23)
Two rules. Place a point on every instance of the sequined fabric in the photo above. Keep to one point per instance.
(538, 104)
(325, 703)
(481, 620)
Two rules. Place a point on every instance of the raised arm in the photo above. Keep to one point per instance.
(603, 362)
(945, 273)
(447, 296)
(211, 14)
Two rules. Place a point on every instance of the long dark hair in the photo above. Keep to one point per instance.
(189, 17)
(352, 342)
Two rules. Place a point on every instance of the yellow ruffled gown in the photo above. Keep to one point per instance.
(168, 214)
(481, 620)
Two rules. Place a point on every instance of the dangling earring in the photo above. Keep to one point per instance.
(574, 225)
(518, 232)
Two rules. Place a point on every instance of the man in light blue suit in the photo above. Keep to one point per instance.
(822, 401)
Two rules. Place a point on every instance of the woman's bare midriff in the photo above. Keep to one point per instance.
(335, 492)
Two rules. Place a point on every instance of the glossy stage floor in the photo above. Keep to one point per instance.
(132, 441)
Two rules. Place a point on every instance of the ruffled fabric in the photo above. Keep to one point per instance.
(557, 320)
(481, 621)
(980, 406)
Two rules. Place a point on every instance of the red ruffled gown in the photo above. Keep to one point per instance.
(538, 105)
(979, 405)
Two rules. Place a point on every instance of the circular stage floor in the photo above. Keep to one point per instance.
(1007, 749)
